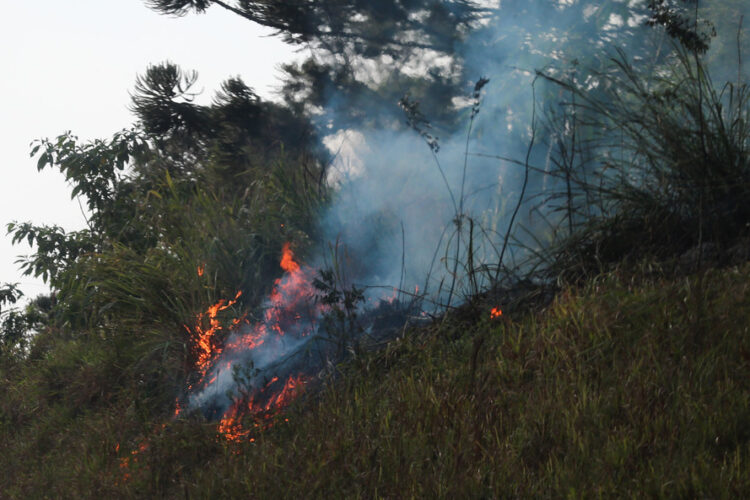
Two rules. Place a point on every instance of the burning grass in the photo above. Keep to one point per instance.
(624, 388)
(246, 372)
(634, 384)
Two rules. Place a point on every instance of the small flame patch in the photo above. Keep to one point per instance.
(204, 339)
(231, 424)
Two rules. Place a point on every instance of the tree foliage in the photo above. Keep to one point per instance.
(355, 46)
(17, 324)
(680, 25)
(190, 185)
(362, 27)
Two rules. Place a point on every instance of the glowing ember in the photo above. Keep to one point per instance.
(390, 299)
(177, 408)
(132, 458)
(496, 312)
(134, 454)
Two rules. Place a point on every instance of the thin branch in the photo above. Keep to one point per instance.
(525, 179)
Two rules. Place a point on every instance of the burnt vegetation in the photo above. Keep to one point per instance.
(578, 325)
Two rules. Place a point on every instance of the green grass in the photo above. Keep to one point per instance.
(633, 385)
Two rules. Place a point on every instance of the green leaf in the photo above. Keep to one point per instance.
(169, 181)
(43, 161)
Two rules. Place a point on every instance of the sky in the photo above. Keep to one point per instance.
(69, 65)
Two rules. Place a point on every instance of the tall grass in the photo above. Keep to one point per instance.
(667, 165)
(470, 256)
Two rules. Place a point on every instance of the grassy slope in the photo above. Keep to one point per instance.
(629, 385)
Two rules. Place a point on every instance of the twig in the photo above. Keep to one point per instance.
(525, 179)
(403, 261)
(739, 52)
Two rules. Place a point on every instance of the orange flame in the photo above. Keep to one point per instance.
(496, 312)
(290, 294)
(231, 426)
(287, 259)
(204, 343)
(287, 304)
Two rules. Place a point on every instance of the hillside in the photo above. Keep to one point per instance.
(634, 383)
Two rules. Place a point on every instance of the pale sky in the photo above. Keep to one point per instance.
(69, 65)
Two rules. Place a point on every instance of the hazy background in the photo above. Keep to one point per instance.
(69, 65)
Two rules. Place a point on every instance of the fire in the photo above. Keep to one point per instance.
(201, 269)
(204, 342)
(231, 426)
(133, 457)
(291, 295)
(496, 312)
(289, 312)
(287, 259)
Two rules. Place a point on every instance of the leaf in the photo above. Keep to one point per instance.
(169, 181)
(43, 161)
